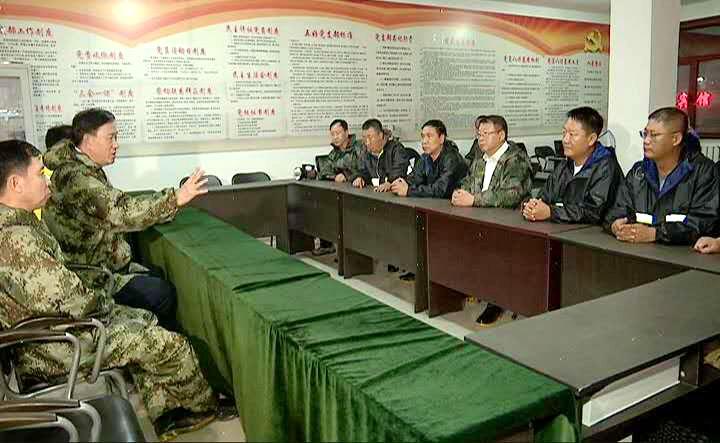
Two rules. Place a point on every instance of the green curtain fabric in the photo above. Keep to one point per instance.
(310, 359)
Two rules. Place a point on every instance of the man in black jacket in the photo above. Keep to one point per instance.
(581, 189)
(671, 196)
(440, 168)
(383, 161)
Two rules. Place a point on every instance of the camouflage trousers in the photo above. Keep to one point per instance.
(163, 365)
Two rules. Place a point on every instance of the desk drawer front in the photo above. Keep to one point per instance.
(380, 230)
(491, 263)
(314, 211)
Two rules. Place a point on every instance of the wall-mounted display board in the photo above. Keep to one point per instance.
(202, 75)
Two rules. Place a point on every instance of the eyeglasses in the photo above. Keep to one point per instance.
(486, 133)
(570, 134)
(644, 133)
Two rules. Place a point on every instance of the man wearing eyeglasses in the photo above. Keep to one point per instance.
(671, 196)
(502, 176)
(581, 189)
(475, 148)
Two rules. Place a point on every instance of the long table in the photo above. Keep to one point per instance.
(514, 263)
(596, 264)
(310, 359)
(493, 254)
(578, 347)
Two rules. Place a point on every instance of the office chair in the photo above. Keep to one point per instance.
(104, 418)
(212, 181)
(249, 177)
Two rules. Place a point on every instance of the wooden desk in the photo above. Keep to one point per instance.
(593, 344)
(596, 264)
(493, 254)
(260, 208)
(315, 210)
(383, 226)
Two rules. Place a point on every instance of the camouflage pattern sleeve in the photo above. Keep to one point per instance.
(34, 283)
(512, 185)
(104, 207)
(473, 181)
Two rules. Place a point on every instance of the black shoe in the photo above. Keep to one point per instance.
(323, 251)
(180, 421)
(490, 315)
(226, 409)
(408, 276)
(393, 268)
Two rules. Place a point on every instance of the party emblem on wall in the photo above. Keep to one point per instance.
(593, 41)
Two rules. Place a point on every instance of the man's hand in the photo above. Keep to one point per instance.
(707, 245)
(359, 182)
(617, 225)
(536, 210)
(635, 233)
(340, 178)
(191, 188)
(400, 187)
(462, 198)
(385, 187)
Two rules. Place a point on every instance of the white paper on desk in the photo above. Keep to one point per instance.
(631, 390)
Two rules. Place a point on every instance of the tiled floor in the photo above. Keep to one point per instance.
(384, 286)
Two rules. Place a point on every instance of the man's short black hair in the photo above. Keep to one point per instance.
(497, 121)
(591, 120)
(15, 158)
(88, 121)
(671, 116)
(57, 133)
(373, 123)
(438, 125)
(340, 121)
(478, 119)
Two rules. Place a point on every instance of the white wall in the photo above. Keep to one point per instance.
(155, 172)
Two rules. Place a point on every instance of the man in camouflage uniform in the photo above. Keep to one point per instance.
(341, 163)
(501, 177)
(90, 218)
(35, 282)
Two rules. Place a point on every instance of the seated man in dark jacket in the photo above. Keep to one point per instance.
(709, 245)
(440, 168)
(340, 164)
(383, 160)
(581, 189)
(671, 196)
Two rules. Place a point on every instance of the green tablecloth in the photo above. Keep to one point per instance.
(309, 358)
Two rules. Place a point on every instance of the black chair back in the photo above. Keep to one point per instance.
(212, 181)
(544, 151)
(250, 177)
